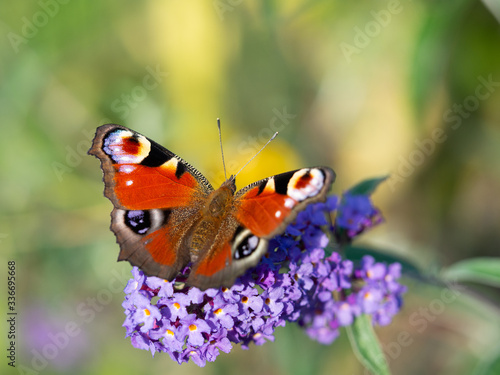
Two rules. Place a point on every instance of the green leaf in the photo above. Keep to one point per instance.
(489, 364)
(366, 347)
(435, 42)
(479, 270)
(367, 187)
(494, 8)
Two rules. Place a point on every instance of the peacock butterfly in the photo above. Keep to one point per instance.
(167, 215)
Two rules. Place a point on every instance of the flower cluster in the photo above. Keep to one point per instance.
(299, 280)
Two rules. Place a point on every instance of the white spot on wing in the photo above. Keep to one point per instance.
(289, 203)
(312, 188)
(129, 182)
(253, 242)
(277, 214)
(126, 168)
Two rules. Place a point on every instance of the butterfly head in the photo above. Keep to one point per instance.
(220, 200)
(230, 184)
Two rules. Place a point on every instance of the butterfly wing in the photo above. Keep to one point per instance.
(267, 206)
(261, 211)
(155, 196)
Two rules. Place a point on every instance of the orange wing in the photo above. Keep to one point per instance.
(139, 174)
(266, 207)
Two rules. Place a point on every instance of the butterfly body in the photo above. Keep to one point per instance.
(167, 215)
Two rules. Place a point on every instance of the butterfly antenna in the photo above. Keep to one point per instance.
(221, 150)
(253, 157)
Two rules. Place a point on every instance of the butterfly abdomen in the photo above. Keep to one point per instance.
(202, 237)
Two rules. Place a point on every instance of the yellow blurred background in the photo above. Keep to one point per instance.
(406, 88)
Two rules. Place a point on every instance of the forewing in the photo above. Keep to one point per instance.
(267, 206)
(139, 174)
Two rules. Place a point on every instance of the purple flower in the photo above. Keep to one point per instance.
(218, 342)
(136, 282)
(301, 274)
(196, 354)
(193, 328)
(221, 312)
(168, 335)
(161, 287)
(250, 299)
(369, 299)
(370, 270)
(354, 209)
(325, 333)
(356, 214)
(391, 277)
(272, 300)
(144, 314)
(174, 308)
(300, 279)
(347, 310)
(141, 341)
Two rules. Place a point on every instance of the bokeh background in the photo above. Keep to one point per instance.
(406, 88)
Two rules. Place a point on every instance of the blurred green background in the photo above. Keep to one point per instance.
(409, 88)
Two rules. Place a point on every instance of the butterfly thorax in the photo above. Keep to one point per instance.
(214, 213)
(221, 200)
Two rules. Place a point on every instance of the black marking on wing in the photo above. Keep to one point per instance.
(156, 156)
(181, 169)
(135, 137)
(238, 231)
(281, 182)
(138, 221)
(166, 216)
(262, 186)
(247, 246)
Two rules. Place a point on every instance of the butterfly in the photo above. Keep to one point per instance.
(167, 215)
